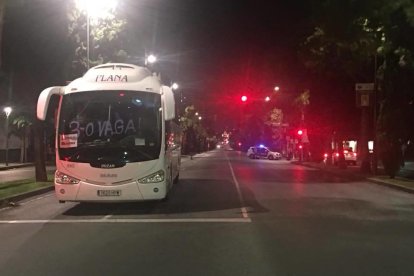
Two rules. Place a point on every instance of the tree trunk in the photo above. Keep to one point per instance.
(2, 12)
(363, 143)
(25, 144)
(22, 149)
(39, 149)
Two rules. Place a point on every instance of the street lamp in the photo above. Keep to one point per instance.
(267, 99)
(150, 59)
(8, 111)
(95, 9)
(174, 86)
(277, 88)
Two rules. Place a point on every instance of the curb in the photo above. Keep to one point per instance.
(16, 166)
(391, 185)
(367, 178)
(12, 199)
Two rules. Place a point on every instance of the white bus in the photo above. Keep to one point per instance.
(116, 139)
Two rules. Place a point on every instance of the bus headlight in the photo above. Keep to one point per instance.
(62, 178)
(153, 178)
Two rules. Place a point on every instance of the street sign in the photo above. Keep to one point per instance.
(364, 99)
(364, 93)
(369, 86)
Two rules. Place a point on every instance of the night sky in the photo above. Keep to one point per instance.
(217, 50)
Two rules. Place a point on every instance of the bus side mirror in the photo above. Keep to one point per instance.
(169, 103)
(44, 99)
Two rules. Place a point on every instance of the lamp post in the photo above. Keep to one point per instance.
(88, 27)
(8, 111)
(94, 9)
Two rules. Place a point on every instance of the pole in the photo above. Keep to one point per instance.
(7, 140)
(87, 36)
(301, 154)
(364, 153)
(374, 126)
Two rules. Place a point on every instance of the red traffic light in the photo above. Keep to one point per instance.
(300, 132)
(244, 98)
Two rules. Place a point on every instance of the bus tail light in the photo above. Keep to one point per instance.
(62, 178)
(153, 178)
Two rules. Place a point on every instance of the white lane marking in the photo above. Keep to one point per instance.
(170, 220)
(242, 202)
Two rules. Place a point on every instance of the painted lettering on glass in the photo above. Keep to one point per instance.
(103, 128)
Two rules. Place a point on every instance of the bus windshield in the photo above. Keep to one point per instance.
(110, 126)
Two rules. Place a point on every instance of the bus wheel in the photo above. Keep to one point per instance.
(166, 198)
(176, 179)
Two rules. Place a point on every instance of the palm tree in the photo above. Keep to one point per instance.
(22, 125)
(302, 101)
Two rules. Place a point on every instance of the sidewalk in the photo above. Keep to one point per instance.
(400, 182)
(10, 166)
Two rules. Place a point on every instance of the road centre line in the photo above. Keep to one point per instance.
(169, 220)
(242, 202)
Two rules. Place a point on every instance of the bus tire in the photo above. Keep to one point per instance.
(166, 198)
(176, 179)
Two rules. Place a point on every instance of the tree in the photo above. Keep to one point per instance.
(274, 120)
(22, 124)
(106, 39)
(301, 102)
(352, 40)
(194, 134)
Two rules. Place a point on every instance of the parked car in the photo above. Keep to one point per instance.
(350, 157)
(261, 151)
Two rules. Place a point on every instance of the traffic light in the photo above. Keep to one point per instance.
(244, 98)
(300, 132)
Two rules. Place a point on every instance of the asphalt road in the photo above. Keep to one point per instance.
(228, 215)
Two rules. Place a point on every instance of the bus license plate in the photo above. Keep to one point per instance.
(109, 192)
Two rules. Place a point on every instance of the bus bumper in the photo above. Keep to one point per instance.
(132, 191)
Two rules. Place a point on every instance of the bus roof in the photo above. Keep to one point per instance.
(116, 76)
